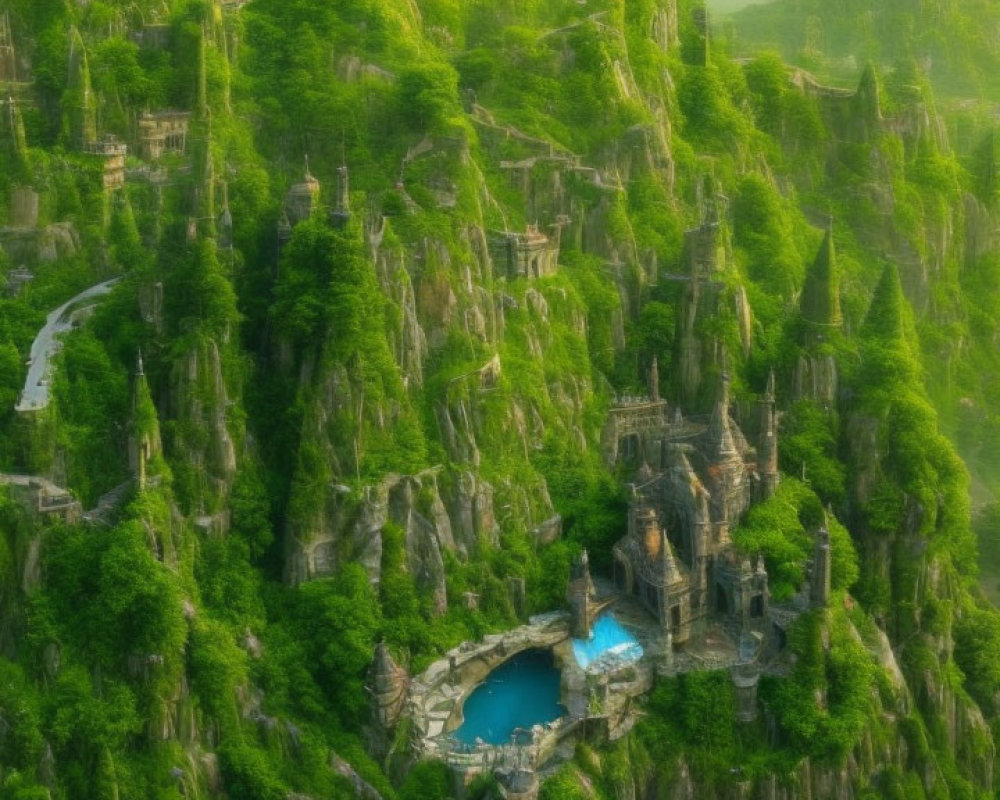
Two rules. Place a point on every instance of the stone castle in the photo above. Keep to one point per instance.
(692, 482)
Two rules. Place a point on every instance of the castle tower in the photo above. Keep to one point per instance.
(820, 303)
(767, 447)
(341, 214)
(746, 678)
(303, 198)
(821, 571)
(580, 597)
(727, 478)
(720, 433)
(815, 375)
(388, 685)
(654, 381)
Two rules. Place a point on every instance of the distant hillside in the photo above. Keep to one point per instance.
(957, 43)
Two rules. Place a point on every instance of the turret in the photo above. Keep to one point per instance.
(580, 594)
(721, 441)
(654, 381)
(341, 213)
(767, 447)
(820, 304)
(303, 198)
(821, 571)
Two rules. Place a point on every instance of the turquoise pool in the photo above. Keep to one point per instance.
(610, 645)
(521, 692)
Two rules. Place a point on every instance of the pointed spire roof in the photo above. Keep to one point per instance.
(719, 431)
(668, 562)
(886, 314)
(820, 302)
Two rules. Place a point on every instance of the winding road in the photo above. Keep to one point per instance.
(35, 396)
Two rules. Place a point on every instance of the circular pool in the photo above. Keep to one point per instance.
(520, 693)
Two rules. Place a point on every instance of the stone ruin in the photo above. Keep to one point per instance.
(112, 152)
(531, 254)
(162, 133)
(302, 199)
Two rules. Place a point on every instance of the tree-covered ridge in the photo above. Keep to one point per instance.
(369, 414)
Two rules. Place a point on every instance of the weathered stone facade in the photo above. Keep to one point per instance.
(531, 254)
(112, 153)
(162, 133)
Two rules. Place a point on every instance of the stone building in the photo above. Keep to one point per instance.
(302, 199)
(531, 254)
(694, 481)
(821, 570)
(112, 153)
(341, 213)
(162, 133)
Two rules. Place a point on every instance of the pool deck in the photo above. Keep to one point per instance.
(437, 695)
(599, 703)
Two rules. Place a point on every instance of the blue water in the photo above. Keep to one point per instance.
(521, 692)
(609, 645)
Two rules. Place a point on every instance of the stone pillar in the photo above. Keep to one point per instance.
(767, 447)
(745, 679)
(342, 210)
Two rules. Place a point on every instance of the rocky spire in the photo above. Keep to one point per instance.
(388, 684)
(820, 304)
(225, 224)
(205, 182)
(144, 426)
(83, 114)
(868, 104)
(654, 381)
